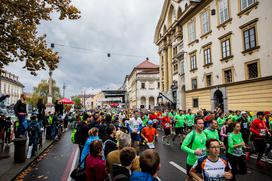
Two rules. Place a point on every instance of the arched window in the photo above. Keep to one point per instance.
(171, 16)
(179, 12)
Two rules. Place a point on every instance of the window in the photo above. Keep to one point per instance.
(252, 70)
(193, 61)
(175, 68)
(194, 84)
(249, 38)
(191, 30)
(223, 11)
(158, 85)
(143, 85)
(207, 55)
(225, 48)
(228, 76)
(246, 3)
(182, 67)
(175, 51)
(208, 80)
(195, 103)
(205, 22)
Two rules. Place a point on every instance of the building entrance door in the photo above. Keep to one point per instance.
(218, 99)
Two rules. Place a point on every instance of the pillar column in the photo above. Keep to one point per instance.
(165, 69)
(161, 67)
(169, 59)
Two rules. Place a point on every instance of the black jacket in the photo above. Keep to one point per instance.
(120, 173)
(19, 107)
(110, 145)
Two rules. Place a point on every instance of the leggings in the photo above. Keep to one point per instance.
(237, 164)
(260, 148)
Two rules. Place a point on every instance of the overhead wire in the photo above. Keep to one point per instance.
(99, 51)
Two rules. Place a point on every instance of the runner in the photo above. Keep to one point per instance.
(179, 126)
(189, 120)
(235, 151)
(166, 124)
(211, 167)
(211, 132)
(149, 133)
(194, 145)
(135, 126)
(259, 131)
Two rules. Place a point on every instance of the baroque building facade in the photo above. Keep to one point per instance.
(143, 86)
(222, 51)
(10, 85)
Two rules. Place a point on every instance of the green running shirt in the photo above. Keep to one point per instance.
(198, 143)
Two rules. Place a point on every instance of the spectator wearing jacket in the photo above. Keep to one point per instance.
(123, 172)
(95, 166)
(110, 143)
(93, 135)
(150, 165)
(113, 157)
(20, 112)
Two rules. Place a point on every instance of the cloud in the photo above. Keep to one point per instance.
(120, 27)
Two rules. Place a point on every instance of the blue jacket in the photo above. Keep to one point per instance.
(86, 149)
(142, 176)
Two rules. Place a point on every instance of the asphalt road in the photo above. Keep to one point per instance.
(57, 164)
(62, 158)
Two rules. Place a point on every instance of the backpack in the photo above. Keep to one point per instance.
(116, 177)
(73, 136)
(103, 147)
(192, 140)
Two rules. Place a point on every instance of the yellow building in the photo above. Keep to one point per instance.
(226, 53)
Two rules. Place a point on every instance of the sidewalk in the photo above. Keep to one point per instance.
(9, 170)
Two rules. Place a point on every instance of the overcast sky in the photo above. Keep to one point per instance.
(124, 27)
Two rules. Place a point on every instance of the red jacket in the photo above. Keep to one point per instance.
(258, 129)
(166, 122)
(95, 168)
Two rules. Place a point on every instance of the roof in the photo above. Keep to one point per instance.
(146, 65)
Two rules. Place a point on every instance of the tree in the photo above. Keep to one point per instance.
(77, 102)
(42, 91)
(18, 31)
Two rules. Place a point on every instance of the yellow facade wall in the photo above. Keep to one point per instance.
(204, 100)
(256, 96)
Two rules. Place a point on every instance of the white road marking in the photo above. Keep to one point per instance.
(178, 167)
(73, 164)
(255, 157)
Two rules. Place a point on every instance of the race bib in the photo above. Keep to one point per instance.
(262, 132)
(202, 154)
(245, 125)
(167, 125)
(238, 151)
(151, 145)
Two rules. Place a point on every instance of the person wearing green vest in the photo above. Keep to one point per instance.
(220, 120)
(235, 151)
(236, 117)
(189, 120)
(145, 119)
(179, 125)
(211, 132)
(195, 145)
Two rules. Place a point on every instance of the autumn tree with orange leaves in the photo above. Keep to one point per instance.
(18, 31)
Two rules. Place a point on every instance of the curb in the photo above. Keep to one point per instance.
(10, 175)
(33, 159)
